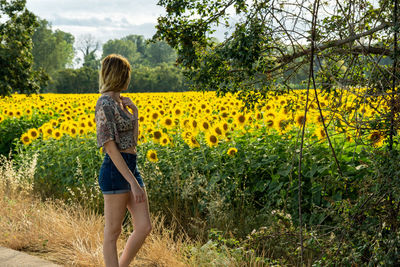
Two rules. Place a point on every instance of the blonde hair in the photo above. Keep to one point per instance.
(115, 73)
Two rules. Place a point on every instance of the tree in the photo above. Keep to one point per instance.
(269, 42)
(77, 81)
(162, 78)
(159, 52)
(139, 41)
(125, 47)
(16, 60)
(88, 45)
(52, 51)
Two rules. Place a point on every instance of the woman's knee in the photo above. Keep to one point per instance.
(112, 233)
(144, 229)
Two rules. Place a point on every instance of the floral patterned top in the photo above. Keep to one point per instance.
(113, 123)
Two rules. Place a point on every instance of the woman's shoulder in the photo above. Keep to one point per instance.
(103, 100)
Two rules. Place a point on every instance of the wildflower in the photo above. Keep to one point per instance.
(25, 139)
(231, 151)
(300, 120)
(205, 125)
(57, 134)
(240, 119)
(320, 133)
(157, 135)
(168, 123)
(152, 155)
(211, 139)
(33, 133)
(192, 142)
(376, 137)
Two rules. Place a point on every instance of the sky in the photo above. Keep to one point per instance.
(104, 19)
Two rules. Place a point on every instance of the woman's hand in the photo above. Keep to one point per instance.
(138, 194)
(126, 101)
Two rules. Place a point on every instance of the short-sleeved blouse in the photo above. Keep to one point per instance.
(112, 123)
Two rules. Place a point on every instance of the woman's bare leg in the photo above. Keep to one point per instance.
(141, 220)
(114, 213)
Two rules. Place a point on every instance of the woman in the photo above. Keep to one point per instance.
(119, 178)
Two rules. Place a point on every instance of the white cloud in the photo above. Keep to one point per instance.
(104, 19)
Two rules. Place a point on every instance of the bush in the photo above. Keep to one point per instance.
(66, 169)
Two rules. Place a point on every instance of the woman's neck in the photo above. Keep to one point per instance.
(114, 95)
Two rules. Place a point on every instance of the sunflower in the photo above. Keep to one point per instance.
(33, 133)
(299, 120)
(25, 139)
(168, 123)
(240, 119)
(72, 130)
(177, 112)
(142, 139)
(184, 124)
(187, 134)
(320, 133)
(81, 130)
(57, 134)
(155, 115)
(82, 124)
(224, 115)
(205, 125)
(165, 140)
(225, 126)
(157, 136)
(231, 151)
(270, 123)
(211, 139)
(218, 129)
(281, 124)
(194, 124)
(376, 138)
(47, 132)
(28, 111)
(192, 142)
(152, 155)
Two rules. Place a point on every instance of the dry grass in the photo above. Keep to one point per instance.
(67, 235)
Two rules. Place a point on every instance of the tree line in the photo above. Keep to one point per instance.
(34, 58)
(153, 63)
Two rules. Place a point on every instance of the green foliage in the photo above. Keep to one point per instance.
(124, 47)
(73, 175)
(159, 52)
(52, 51)
(11, 130)
(82, 80)
(162, 78)
(16, 61)
(139, 51)
(368, 228)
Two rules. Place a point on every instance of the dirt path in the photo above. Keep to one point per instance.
(13, 258)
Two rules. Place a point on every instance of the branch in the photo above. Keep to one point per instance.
(286, 59)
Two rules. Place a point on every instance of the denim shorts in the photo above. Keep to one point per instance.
(111, 180)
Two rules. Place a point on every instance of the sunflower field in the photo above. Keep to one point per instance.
(207, 162)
